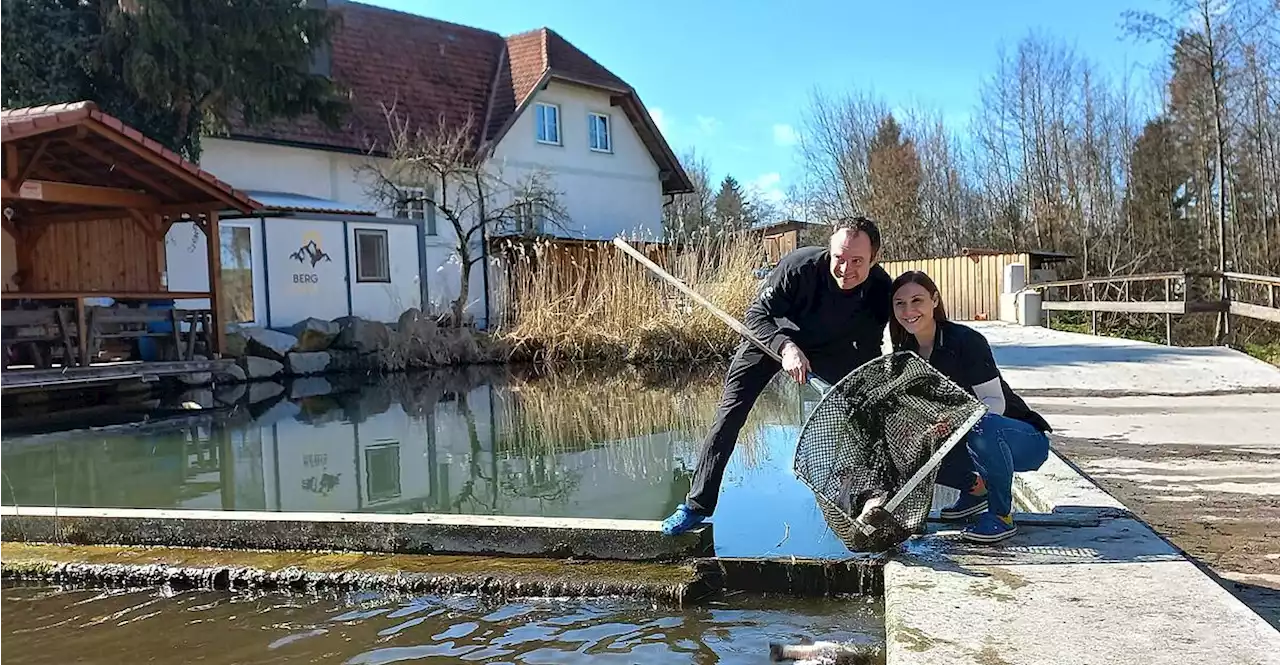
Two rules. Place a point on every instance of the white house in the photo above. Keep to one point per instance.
(537, 102)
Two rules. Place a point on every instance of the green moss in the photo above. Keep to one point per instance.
(648, 579)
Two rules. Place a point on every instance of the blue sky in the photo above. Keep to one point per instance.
(735, 96)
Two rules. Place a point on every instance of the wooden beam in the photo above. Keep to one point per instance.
(90, 195)
(91, 215)
(163, 162)
(25, 171)
(213, 245)
(11, 162)
(1252, 311)
(116, 164)
(1110, 306)
(146, 222)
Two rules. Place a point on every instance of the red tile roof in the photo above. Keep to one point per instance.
(427, 68)
(111, 138)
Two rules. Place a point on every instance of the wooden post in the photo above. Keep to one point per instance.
(217, 336)
(1168, 317)
(1093, 314)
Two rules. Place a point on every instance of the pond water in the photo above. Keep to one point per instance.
(615, 444)
(50, 625)
(598, 443)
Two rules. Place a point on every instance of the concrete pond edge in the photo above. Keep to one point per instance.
(417, 533)
(1085, 580)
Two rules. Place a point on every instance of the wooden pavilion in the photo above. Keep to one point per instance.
(87, 203)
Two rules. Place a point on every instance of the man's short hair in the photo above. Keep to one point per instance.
(859, 224)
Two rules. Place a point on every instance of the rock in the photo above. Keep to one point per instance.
(260, 368)
(232, 374)
(363, 336)
(315, 334)
(311, 386)
(263, 391)
(271, 344)
(346, 360)
(413, 324)
(315, 362)
(237, 342)
(231, 394)
(196, 378)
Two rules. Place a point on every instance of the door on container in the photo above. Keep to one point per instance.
(243, 286)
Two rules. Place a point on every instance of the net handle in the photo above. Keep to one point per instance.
(817, 383)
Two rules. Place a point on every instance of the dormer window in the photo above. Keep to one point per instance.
(548, 121)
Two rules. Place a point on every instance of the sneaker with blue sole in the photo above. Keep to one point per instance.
(989, 529)
(968, 506)
(681, 521)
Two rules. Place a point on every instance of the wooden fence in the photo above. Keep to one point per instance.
(1167, 293)
(970, 285)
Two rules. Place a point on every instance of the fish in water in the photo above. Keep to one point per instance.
(827, 653)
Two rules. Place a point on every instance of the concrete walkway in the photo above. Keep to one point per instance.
(1187, 438)
(1110, 593)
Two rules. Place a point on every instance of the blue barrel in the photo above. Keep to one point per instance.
(149, 347)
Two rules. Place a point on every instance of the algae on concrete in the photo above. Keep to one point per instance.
(214, 568)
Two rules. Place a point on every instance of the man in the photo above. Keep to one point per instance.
(824, 310)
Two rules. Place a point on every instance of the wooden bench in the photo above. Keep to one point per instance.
(125, 323)
(38, 331)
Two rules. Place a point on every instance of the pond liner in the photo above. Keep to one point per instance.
(682, 583)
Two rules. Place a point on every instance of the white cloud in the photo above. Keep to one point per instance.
(708, 124)
(659, 119)
(769, 188)
(785, 135)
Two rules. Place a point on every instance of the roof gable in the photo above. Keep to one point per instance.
(80, 145)
(425, 68)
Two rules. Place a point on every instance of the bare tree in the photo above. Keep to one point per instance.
(1208, 38)
(442, 168)
(690, 214)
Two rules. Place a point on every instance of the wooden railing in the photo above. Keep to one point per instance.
(1166, 293)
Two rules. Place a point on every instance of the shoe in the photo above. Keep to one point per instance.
(681, 521)
(990, 529)
(968, 506)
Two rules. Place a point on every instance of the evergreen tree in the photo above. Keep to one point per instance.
(175, 69)
(732, 210)
(894, 175)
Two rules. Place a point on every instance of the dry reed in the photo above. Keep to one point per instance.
(594, 303)
(561, 413)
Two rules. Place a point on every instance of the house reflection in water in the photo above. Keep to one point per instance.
(455, 442)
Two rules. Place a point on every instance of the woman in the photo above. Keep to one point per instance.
(1010, 437)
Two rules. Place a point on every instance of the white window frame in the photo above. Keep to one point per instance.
(384, 276)
(540, 127)
(410, 209)
(530, 217)
(608, 131)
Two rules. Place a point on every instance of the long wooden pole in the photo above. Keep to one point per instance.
(819, 384)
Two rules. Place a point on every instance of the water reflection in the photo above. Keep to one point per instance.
(368, 628)
(616, 444)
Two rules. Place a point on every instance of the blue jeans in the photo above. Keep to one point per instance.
(995, 448)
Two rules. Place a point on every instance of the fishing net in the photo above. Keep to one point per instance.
(872, 432)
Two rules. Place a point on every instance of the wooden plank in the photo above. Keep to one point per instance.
(1157, 307)
(1260, 312)
(1148, 277)
(65, 192)
(1255, 279)
(25, 171)
(124, 168)
(218, 336)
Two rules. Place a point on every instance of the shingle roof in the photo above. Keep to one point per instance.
(427, 67)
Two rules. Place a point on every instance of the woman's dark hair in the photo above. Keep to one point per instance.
(897, 334)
